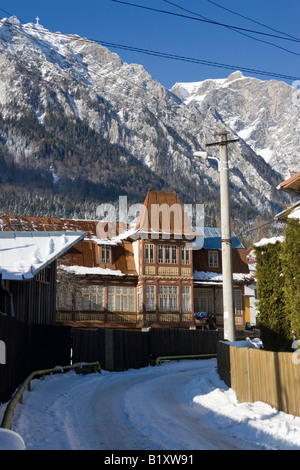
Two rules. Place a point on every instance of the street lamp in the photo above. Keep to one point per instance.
(228, 311)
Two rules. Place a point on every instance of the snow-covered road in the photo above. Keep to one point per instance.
(177, 406)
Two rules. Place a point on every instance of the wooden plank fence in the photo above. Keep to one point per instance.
(29, 348)
(35, 347)
(118, 350)
(258, 375)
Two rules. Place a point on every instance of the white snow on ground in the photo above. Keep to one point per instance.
(180, 405)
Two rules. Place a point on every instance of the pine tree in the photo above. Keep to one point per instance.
(273, 321)
(291, 273)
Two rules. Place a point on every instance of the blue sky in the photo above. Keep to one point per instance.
(109, 21)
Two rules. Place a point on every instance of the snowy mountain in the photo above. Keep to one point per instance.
(261, 113)
(79, 126)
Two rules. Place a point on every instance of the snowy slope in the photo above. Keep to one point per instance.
(177, 406)
(50, 75)
(262, 113)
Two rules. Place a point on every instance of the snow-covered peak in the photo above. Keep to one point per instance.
(12, 20)
(261, 112)
(50, 75)
(237, 75)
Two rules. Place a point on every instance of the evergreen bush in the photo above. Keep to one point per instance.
(278, 289)
(273, 321)
(291, 273)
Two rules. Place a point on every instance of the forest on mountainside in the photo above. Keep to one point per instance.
(64, 168)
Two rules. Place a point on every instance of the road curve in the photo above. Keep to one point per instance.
(149, 409)
(147, 412)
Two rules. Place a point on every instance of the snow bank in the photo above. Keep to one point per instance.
(254, 343)
(179, 405)
(10, 440)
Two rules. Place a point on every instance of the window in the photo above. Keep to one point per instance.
(168, 298)
(186, 299)
(237, 302)
(121, 299)
(90, 298)
(149, 253)
(203, 300)
(174, 254)
(167, 254)
(160, 254)
(185, 255)
(140, 299)
(213, 259)
(219, 301)
(64, 299)
(105, 254)
(150, 299)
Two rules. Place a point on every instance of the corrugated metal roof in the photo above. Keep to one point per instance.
(213, 239)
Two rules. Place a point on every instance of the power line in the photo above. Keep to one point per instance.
(196, 61)
(76, 38)
(232, 28)
(271, 222)
(166, 55)
(217, 23)
(253, 21)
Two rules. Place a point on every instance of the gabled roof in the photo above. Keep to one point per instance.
(292, 184)
(24, 254)
(19, 223)
(292, 211)
(110, 233)
(163, 215)
(85, 253)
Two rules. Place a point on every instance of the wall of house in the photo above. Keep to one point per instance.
(34, 301)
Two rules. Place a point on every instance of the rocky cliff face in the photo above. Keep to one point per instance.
(76, 120)
(261, 113)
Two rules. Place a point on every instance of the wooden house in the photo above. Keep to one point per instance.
(207, 263)
(291, 186)
(155, 273)
(28, 273)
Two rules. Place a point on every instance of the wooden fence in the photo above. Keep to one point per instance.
(28, 348)
(35, 347)
(258, 375)
(118, 350)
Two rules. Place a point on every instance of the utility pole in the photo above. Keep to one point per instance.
(228, 311)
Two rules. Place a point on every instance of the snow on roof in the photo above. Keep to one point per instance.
(295, 214)
(82, 270)
(24, 254)
(269, 241)
(209, 277)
